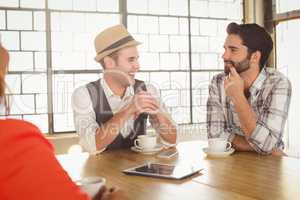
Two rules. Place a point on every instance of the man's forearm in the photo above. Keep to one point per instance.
(240, 144)
(246, 115)
(166, 128)
(106, 134)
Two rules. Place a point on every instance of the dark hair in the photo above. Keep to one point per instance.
(255, 38)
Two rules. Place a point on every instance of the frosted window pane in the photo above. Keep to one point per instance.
(39, 21)
(169, 61)
(195, 28)
(199, 44)
(287, 5)
(183, 26)
(95, 23)
(199, 8)
(184, 61)
(179, 43)
(63, 87)
(149, 61)
(168, 25)
(208, 27)
(222, 25)
(82, 79)
(199, 114)
(200, 80)
(34, 83)
(9, 3)
(21, 61)
(132, 24)
(235, 10)
(33, 41)
(137, 6)
(91, 63)
(86, 5)
(55, 21)
(13, 84)
(158, 7)
(209, 61)
(148, 25)
(287, 41)
(181, 114)
(22, 104)
(196, 61)
(74, 22)
(68, 60)
(218, 9)
(60, 5)
(161, 80)
(159, 43)
(180, 80)
(178, 7)
(144, 39)
(62, 41)
(10, 40)
(41, 121)
(184, 98)
(111, 5)
(171, 98)
(40, 60)
(216, 44)
(41, 103)
(2, 19)
(14, 22)
(33, 3)
(63, 122)
(82, 42)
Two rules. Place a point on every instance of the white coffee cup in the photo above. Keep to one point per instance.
(145, 142)
(218, 145)
(91, 185)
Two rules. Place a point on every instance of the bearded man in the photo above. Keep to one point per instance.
(248, 104)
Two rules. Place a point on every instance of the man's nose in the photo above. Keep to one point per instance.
(136, 65)
(225, 55)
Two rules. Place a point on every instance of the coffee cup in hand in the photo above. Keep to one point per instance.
(145, 142)
(218, 145)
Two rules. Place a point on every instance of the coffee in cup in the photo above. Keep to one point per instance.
(218, 145)
(145, 142)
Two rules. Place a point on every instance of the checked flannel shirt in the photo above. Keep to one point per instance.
(270, 96)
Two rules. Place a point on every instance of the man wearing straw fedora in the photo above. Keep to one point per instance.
(111, 112)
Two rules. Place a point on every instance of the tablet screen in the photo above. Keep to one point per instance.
(164, 170)
(156, 169)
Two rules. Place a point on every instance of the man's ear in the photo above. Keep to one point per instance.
(108, 62)
(255, 57)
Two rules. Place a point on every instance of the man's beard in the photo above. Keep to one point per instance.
(240, 67)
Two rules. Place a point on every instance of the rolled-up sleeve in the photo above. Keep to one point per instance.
(216, 116)
(84, 119)
(271, 121)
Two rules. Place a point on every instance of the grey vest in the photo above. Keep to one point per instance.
(104, 113)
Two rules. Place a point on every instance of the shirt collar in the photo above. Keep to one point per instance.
(109, 93)
(258, 83)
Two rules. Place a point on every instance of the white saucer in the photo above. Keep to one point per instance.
(218, 154)
(147, 151)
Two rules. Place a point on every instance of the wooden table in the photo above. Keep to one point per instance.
(239, 176)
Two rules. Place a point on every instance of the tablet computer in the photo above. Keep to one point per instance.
(178, 171)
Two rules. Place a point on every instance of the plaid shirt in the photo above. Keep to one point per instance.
(270, 96)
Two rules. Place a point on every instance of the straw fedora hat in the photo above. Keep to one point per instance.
(111, 40)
